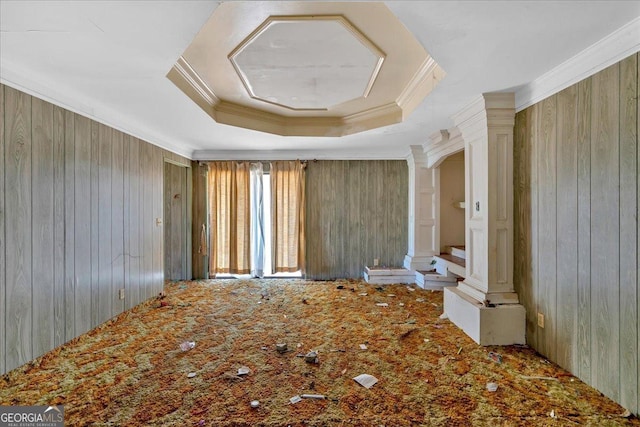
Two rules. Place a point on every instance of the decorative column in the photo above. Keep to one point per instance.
(485, 304)
(423, 238)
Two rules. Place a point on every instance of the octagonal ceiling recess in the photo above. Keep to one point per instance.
(313, 62)
(305, 68)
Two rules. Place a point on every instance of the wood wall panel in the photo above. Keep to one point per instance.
(638, 225)
(72, 196)
(354, 246)
(42, 225)
(147, 221)
(105, 212)
(157, 248)
(584, 257)
(547, 225)
(17, 201)
(356, 211)
(567, 227)
(533, 143)
(69, 226)
(95, 223)
(398, 214)
(605, 229)
(584, 231)
(117, 223)
(637, 218)
(59, 319)
(628, 239)
(132, 222)
(522, 221)
(313, 260)
(3, 283)
(83, 233)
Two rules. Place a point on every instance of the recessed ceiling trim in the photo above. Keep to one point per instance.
(263, 155)
(374, 76)
(255, 119)
(188, 80)
(383, 111)
(183, 75)
(423, 81)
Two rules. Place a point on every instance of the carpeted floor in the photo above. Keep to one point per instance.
(131, 370)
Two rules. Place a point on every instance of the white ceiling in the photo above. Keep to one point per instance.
(109, 60)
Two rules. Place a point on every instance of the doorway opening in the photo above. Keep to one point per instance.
(261, 236)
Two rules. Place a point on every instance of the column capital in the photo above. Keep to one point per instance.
(416, 156)
(441, 145)
(484, 112)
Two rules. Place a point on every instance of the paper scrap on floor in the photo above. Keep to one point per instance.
(366, 380)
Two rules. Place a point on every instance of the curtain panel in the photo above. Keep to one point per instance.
(229, 221)
(287, 216)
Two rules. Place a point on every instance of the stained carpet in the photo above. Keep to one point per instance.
(131, 370)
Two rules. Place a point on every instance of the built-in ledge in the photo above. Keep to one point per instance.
(499, 325)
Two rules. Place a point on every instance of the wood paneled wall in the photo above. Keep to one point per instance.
(78, 204)
(577, 187)
(356, 211)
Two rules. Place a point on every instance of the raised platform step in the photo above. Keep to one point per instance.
(447, 264)
(500, 325)
(434, 281)
(457, 251)
(388, 276)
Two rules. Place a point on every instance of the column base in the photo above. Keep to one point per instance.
(503, 324)
(418, 263)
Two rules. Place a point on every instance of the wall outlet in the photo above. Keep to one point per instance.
(121, 293)
(541, 320)
(376, 261)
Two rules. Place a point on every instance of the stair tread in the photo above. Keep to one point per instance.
(454, 259)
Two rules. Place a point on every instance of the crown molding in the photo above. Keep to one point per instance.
(37, 86)
(257, 155)
(421, 84)
(613, 48)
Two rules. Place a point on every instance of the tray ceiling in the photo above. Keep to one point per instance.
(307, 68)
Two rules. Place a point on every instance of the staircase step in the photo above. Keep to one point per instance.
(386, 271)
(434, 281)
(388, 276)
(457, 251)
(447, 264)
